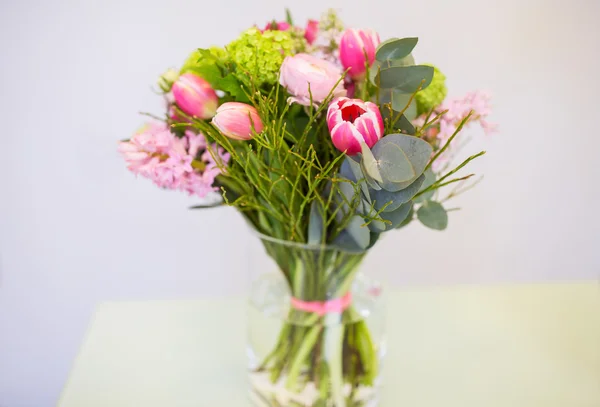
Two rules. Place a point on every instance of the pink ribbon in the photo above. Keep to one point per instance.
(337, 305)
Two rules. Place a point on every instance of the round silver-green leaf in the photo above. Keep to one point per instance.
(433, 215)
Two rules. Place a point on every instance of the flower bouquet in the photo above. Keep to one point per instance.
(324, 139)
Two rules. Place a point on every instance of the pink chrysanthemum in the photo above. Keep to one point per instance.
(186, 163)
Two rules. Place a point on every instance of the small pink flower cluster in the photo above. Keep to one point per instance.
(185, 163)
(458, 108)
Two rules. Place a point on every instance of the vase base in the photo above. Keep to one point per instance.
(264, 393)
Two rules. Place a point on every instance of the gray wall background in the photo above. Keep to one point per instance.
(76, 228)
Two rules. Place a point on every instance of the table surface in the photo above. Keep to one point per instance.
(532, 345)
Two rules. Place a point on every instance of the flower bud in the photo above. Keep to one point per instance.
(311, 31)
(166, 80)
(352, 122)
(277, 26)
(194, 96)
(357, 49)
(237, 120)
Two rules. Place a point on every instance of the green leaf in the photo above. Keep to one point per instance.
(382, 197)
(347, 171)
(374, 239)
(370, 181)
(211, 73)
(208, 205)
(377, 226)
(407, 61)
(396, 217)
(418, 152)
(399, 101)
(288, 17)
(429, 180)
(433, 215)
(369, 163)
(409, 218)
(231, 85)
(407, 79)
(405, 125)
(347, 190)
(395, 48)
(315, 223)
(392, 162)
(355, 237)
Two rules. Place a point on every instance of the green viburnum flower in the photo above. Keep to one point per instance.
(260, 55)
(433, 95)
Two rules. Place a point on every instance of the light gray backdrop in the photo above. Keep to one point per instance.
(76, 228)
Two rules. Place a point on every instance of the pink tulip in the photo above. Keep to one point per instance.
(236, 120)
(353, 47)
(302, 72)
(352, 122)
(194, 96)
(277, 26)
(311, 31)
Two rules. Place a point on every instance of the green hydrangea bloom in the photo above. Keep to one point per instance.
(260, 55)
(433, 95)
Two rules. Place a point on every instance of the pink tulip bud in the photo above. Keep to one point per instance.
(194, 96)
(311, 31)
(352, 122)
(353, 47)
(236, 120)
(277, 26)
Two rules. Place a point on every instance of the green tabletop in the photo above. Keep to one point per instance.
(532, 345)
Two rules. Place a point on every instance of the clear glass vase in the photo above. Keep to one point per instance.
(316, 328)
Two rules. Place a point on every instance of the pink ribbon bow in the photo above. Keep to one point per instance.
(337, 305)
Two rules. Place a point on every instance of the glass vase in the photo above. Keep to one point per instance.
(316, 328)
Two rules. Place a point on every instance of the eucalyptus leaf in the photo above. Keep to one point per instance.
(396, 217)
(369, 163)
(406, 61)
(393, 163)
(355, 166)
(429, 180)
(399, 101)
(374, 239)
(395, 48)
(316, 223)
(346, 170)
(417, 150)
(382, 197)
(370, 181)
(347, 190)
(377, 226)
(404, 125)
(433, 215)
(409, 218)
(407, 79)
(360, 234)
(351, 166)
(345, 242)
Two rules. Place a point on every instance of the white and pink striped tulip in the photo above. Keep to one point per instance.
(353, 122)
